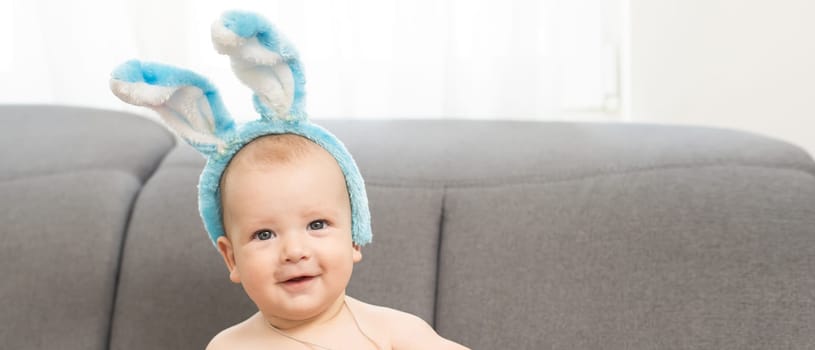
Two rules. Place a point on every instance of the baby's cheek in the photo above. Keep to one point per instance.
(259, 287)
(256, 275)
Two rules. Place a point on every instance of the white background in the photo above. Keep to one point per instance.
(746, 64)
(739, 64)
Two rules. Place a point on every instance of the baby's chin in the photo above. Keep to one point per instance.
(300, 308)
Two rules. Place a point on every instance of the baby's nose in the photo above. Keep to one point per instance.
(295, 249)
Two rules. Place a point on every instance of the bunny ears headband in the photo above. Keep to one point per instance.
(266, 62)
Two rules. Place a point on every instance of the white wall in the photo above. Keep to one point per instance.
(745, 64)
(485, 59)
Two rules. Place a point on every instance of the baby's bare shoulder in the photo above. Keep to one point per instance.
(243, 335)
(408, 331)
(223, 340)
(231, 338)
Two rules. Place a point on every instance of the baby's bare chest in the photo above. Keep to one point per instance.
(369, 338)
(343, 343)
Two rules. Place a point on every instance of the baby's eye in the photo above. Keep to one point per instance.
(317, 225)
(264, 235)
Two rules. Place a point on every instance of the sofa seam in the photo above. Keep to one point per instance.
(540, 180)
(122, 243)
(35, 175)
(438, 257)
(808, 169)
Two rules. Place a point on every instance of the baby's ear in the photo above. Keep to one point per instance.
(357, 253)
(263, 60)
(228, 253)
(186, 101)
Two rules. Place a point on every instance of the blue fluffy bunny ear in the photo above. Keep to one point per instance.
(263, 60)
(186, 101)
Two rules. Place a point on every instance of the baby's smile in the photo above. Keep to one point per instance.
(298, 283)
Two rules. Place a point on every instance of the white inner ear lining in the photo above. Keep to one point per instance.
(187, 111)
(266, 73)
(190, 103)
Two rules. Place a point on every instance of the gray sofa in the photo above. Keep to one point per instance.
(502, 235)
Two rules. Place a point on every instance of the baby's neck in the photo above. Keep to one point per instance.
(328, 315)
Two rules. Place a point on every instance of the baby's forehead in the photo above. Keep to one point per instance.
(281, 152)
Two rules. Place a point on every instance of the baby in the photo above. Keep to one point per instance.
(287, 215)
(281, 198)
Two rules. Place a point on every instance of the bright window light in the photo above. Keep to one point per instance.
(6, 35)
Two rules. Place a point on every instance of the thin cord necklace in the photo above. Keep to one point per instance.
(317, 346)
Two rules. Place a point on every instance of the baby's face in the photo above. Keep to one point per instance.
(289, 228)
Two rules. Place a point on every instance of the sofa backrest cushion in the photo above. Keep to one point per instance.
(68, 182)
(687, 257)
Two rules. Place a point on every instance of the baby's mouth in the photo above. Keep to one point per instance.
(298, 279)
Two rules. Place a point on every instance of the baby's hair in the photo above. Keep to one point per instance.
(275, 149)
